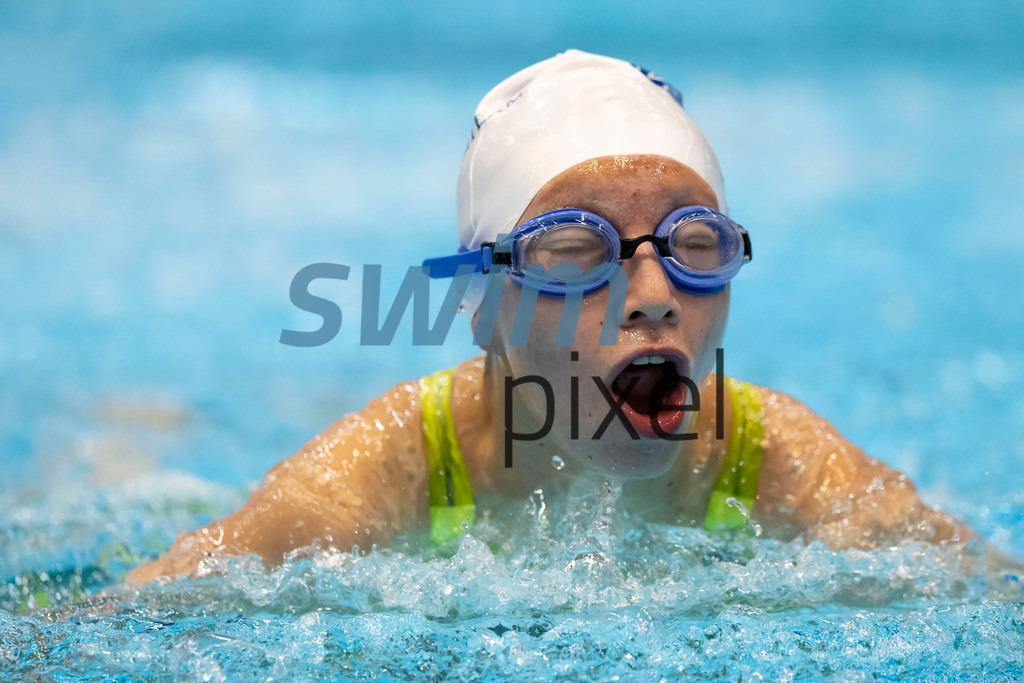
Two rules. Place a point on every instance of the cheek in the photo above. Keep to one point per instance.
(714, 312)
(514, 326)
(549, 315)
(718, 313)
(541, 355)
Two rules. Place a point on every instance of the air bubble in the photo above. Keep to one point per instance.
(557, 462)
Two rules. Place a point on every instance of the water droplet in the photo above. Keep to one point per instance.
(465, 526)
(734, 503)
(557, 462)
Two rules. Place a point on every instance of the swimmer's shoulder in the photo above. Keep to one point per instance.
(471, 413)
(835, 491)
(389, 431)
(791, 447)
(360, 481)
(789, 456)
(807, 465)
(383, 440)
(391, 428)
(783, 466)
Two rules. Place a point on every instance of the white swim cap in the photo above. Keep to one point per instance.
(561, 112)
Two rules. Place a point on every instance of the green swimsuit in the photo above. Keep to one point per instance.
(452, 511)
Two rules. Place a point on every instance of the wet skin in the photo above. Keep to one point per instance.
(364, 479)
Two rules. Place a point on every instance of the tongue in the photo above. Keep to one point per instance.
(653, 383)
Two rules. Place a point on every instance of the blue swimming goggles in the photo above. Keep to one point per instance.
(571, 251)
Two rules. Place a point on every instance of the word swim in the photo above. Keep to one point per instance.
(616, 401)
(415, 291)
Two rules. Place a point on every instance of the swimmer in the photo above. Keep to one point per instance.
(588, 161)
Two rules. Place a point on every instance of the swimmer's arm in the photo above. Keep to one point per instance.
(824, 486)
(360, 482)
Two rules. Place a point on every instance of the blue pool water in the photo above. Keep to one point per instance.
(166, 169)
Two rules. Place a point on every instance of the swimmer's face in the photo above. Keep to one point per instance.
(634, 193)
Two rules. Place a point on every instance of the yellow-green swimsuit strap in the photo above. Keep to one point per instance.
(741, 467)
(451, 496)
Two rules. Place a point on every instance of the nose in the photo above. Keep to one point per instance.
(651, 295)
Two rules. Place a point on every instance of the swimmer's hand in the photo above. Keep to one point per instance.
(358, 483)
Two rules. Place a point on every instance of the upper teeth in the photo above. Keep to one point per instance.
(653, 360)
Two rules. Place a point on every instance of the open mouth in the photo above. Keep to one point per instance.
(653, 390)
(653, 380)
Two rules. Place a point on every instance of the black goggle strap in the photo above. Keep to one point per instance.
(629, 246)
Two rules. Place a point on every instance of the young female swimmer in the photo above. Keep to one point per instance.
(590, 161)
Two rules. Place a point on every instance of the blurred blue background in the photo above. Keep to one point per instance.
(166, 168)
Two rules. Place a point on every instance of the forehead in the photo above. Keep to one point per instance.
(622, 188)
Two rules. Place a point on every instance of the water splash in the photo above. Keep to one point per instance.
(750, 522)
(565, 585)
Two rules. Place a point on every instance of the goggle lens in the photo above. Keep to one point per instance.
(574, 244)
(704, 246)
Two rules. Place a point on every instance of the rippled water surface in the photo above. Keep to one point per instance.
(560, 595)
(164, 172)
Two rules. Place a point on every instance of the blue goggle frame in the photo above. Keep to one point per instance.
(505, 252)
